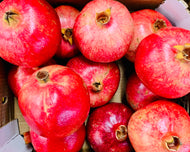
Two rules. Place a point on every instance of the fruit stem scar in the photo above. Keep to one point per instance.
(97, 86)
(9, 16)
(159, 24)
(103, 17)
(183, 51)
(121, 133)
(173, 143)
(67, 34)
(42, 76)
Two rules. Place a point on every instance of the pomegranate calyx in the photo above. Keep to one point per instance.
(42, 76)
(121, 133)
(67, 34)
(103, 17)
(173, 143)
(97, 86)
(183, 52)
(159, 24)
(9, 17)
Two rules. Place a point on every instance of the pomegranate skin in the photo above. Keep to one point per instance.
(160, 66)
(137, 94)
(18, 75)
(71, 143)
(103, 30)
(151, 127)
(102, 127)
(67, 15)
(54, 101)
(102, 79)
(146, 22)
(28, 37)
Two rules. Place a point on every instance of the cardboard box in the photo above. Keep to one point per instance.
(10, 133)
(6, 96)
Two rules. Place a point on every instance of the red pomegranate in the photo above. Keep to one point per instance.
(162, 62)
(67, 15)
(137, 94)
(18, 75)
(102, 79)
(103, 30)
(54, 101)
(107, 128)
(29, 32)
(71, 143)
(146, 22)
(162, 126)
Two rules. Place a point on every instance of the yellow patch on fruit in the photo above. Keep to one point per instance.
(183, 51)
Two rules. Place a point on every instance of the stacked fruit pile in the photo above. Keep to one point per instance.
(64, 72)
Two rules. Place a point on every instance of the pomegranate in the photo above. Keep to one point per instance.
(163, 62)
(107, 128)
(102, 79)
(54, 101)
(67, 15)
(71, 143)
(103, 30)
(18, 75)
(137, 94)
(146, 22)
(28, 37)
(161, 126)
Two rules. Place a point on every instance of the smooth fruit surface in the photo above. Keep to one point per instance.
(162, 126)
(103, 30)
(107, 128)
(146, 22)
(71, 143)
(137, 94)
(28, 37)
(102, 79)
(67, 15)
(18, 75)
(54, 101)
(162, 62)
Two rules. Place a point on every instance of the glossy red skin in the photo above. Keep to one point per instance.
(137, 94)
(18, 75)
(148, 127)
(102, 124)
(67, 15)
(59, 106)
(108, 74)
(103, 43)
(157, 66)
(143, 26)
(33, 38)
(71, 143)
